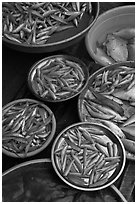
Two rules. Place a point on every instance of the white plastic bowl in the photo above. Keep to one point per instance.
(110, 21)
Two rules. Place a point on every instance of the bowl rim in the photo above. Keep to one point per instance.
(65, 56)
(46, 143)
(17, 166)
(119, 8)
(108, 19)
(59, 42)
(74, 185)
(114, 12)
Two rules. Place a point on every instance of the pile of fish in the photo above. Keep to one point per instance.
(86, 156)
(57, 79)
(33, 23)
(26, 126)
(110, 99)
(118, 46)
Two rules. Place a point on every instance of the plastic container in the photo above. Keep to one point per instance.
(109, 22)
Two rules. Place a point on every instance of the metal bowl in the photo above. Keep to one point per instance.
(36, 181)
(73, 160)
(47, 75)
(27, 129)
(114, 126)
(107, 23)
(61, 39)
